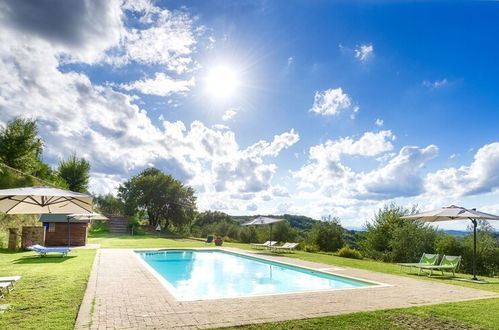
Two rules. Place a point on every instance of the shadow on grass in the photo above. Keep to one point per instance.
(445, 277)
(42, 260)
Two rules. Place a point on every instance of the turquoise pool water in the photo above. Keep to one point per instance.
(195, 275)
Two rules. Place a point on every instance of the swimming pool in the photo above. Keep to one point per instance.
(213, 274)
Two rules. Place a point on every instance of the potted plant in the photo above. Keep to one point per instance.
(219, 241)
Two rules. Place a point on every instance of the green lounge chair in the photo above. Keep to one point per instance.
(426, 260)
(448, 263)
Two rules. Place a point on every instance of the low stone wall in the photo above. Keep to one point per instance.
(33, 235)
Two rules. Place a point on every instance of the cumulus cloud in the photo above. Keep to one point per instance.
(364, 52)
(400, 177)
(280, 142)
(379, 122)
(284, 207)
(481, 176)
(161, 85)
(81, 30)
(328, 175)
(104, 125)
(332, 102)
(229, 114)
(280, 191)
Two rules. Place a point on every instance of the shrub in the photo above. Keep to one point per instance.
(347, 252)
(327, 235)
(310, 248)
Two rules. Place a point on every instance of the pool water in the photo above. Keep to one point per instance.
(208, 274)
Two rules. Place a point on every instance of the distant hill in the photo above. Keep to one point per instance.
(296, 221)
(457, 233)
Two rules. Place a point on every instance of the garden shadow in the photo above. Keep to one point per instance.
(42, 260)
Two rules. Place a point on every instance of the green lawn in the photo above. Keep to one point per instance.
(50, 291)
(473, 314)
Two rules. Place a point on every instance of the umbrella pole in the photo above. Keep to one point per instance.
(69, 235)
(271, 233)
(474, 249)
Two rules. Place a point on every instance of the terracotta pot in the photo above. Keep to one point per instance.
(219, 241)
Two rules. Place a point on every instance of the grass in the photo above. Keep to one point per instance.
(481, 314)
(50, 291)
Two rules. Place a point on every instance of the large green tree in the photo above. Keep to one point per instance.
(327, 234)
(75, 171)
(20, 146)
(166, 200)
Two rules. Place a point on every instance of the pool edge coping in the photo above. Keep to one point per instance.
(173, 291)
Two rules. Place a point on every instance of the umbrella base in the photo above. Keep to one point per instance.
(472, 280)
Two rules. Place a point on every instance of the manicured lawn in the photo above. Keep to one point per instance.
(472, 314)
(50, 291)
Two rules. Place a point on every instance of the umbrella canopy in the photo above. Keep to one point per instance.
(261, 221)
(87, 216)
(454, 213)
(43, 199)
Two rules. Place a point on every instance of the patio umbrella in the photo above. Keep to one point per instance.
(259, 221)
(43, 199)
(453, 213)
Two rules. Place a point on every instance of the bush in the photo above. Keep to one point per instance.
(310, 248)
(326, 235)
(347, 252)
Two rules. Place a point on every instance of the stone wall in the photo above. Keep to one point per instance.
(33, 235)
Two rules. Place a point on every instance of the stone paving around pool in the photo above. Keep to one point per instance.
(123, 294)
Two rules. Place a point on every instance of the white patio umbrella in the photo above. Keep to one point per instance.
(43, 199)
(259, 221)
(453, 213)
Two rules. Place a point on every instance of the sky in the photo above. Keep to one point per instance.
(266, 107)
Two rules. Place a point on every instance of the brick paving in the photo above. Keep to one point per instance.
(123, 294)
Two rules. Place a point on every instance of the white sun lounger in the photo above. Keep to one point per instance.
(285, 247)
(10, 280)
(42, 250)
(264, 245)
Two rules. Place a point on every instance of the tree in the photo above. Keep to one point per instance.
(388, 237)
(20, 146)
(327, 234)
(166, 201)
(108, 204)
(75, 171)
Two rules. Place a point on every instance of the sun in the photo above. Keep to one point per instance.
(221, 82)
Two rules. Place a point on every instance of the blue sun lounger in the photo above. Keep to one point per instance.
(42, 250)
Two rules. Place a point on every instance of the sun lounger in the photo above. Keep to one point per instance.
(448, 263)
(209, 240)
(5, 287)
(285, 247)
(42, 250)
(8, 282)
(264, 245)
(426, 260)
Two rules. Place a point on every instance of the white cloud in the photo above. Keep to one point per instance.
(364, 52)
(280, 191)
(379, 122)
(284, 207)
(481, 176)
(280, 142)
(117, 136)
(436, 84)
(326, 174)
(229, 114)
(291, 60)
(399, 178)
(331, 102)
(161, 85)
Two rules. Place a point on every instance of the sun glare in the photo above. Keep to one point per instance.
(221, 82)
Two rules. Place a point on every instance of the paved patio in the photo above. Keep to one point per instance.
(123, 294)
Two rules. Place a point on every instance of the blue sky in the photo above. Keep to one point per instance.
(306, 107)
